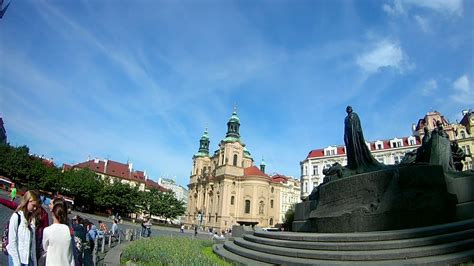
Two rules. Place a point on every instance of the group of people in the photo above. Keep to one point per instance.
(32, 240)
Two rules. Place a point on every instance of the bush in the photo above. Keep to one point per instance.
(171, 251)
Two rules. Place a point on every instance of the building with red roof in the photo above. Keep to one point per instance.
(226, 188)
(117, 171)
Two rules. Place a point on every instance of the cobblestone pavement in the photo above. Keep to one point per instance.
(5, 214)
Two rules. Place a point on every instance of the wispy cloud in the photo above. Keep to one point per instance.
(463, 91)
(384, 54)
(429, 87)
(445, 7)
(423, 23)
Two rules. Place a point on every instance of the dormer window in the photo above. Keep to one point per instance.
(396, 143)
(330, 151)
(411, 141)
(378, 145)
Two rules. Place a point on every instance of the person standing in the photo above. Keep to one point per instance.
(114, 229)
(13, 192)
(57, 237)
(21, 246)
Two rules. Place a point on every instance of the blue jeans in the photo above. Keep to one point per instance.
(10, 262)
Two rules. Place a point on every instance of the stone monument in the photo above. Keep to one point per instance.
(368, 196)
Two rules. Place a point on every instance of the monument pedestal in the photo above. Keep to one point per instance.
(389, 199)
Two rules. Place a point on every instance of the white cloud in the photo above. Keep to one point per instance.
(396, 9)
(423, 23)
(447, 7)
(463, 90)
(429, 87)
(384, 54)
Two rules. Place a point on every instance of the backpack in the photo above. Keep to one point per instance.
(5, 234)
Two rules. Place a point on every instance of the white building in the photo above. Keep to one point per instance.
(290, 193)
(385, 151)
(179, 191)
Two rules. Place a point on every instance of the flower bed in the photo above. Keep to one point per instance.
(171, 251)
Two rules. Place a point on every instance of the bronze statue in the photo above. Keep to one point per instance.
(458, 156)
(358, 154)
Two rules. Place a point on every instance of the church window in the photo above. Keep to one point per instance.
(247, 206)
(235, 159)
(273, 189)
(232, 199)
(271, 221)
(271, 203)
(216, 217)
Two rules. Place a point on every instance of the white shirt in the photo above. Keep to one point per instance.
(57, 244)
(21, 240)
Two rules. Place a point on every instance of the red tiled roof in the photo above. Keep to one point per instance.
(254, 171)
(117, 169)
(277, 178)
(341, 150)
(152, 184)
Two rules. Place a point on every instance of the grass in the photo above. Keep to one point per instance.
(171, 251)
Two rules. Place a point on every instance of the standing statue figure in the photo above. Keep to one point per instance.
(358, 154)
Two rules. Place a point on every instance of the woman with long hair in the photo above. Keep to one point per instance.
(57, 237)
(21, 231)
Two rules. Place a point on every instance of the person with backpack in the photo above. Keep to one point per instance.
(21, 246)
(42, 219)
(57, 240)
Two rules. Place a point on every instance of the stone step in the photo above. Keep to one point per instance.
(371, 236)
(451, 258)
(236, 259)
(365, 245)
(360, 255)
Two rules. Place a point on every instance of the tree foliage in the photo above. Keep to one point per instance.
(87, 188)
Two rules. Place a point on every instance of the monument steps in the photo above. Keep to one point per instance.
(360, 255)
(452, 258)
(372, 236)
(236, 259)
(440, 244)
(364, 245)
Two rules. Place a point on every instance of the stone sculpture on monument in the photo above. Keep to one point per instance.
(367, 195)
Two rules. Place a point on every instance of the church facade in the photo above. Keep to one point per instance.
(226, 188)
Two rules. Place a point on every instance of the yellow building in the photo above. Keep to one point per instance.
(225, 188)
(463, 131)
(465, 137)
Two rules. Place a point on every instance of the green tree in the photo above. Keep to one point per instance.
(119, 197)
(82, 184)
(165, 204)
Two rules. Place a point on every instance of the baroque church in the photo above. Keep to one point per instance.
(226, 188)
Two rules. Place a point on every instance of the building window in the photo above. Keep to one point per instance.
(412, 142)
(379, 146)
(271, 203)
(315, 170)
(305, 170)
(467, 150)
(235, 159)
(273, 189)
(247, 206)
(271, 221)
(232, 200)
(463, 134)
(216, 217)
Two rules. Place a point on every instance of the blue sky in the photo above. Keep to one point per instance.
(141, 80)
